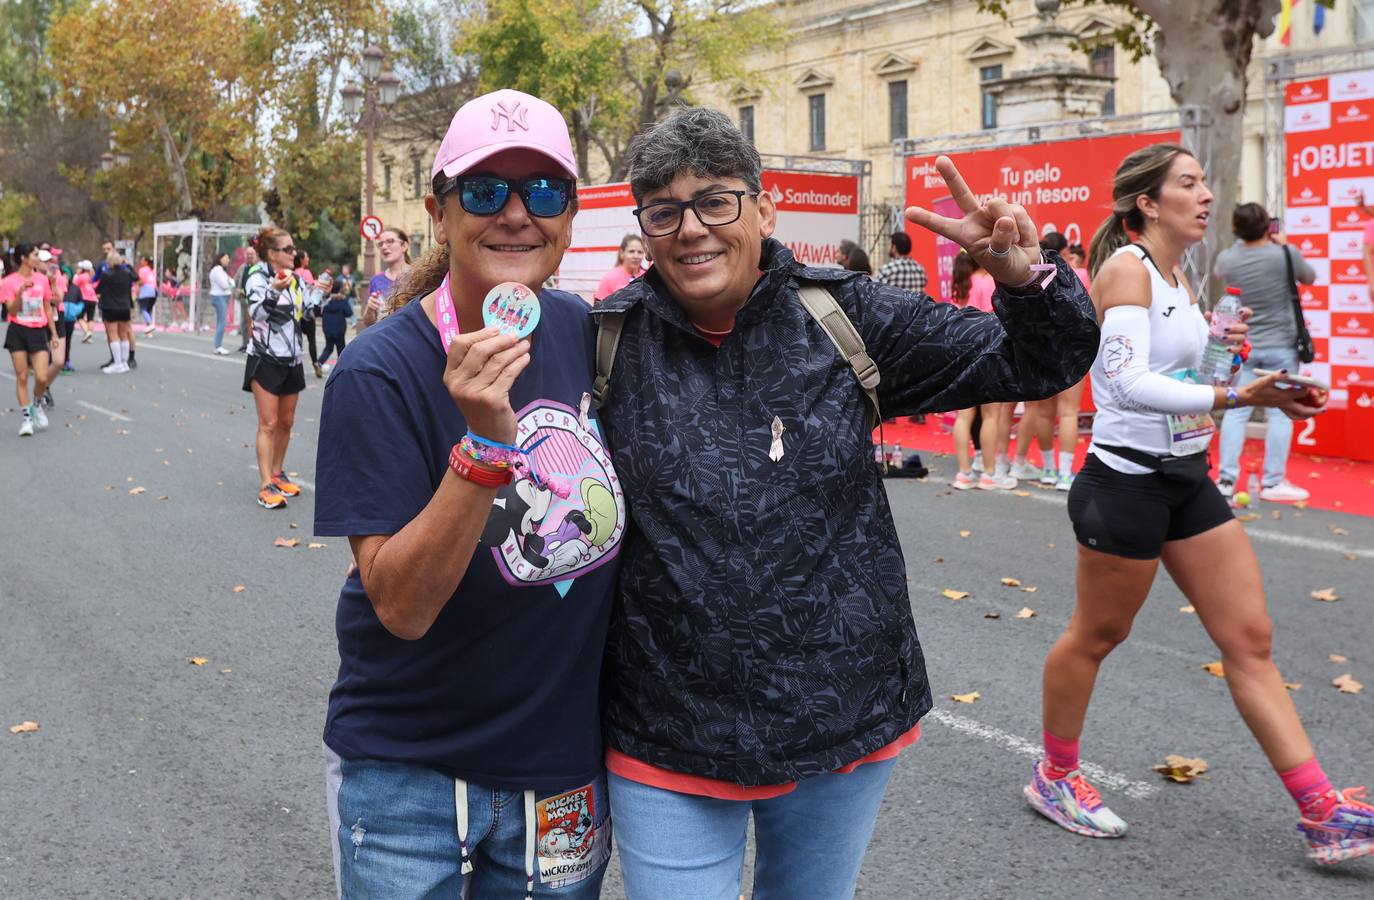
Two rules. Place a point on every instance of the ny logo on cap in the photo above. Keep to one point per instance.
(514, 116)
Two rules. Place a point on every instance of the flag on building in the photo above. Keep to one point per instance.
(1318, 18)
(1286, 22)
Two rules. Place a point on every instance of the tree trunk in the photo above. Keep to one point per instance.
(176, 165)
(581, 140)
(1203, 50)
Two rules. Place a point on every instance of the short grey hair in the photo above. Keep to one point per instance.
(693, 139)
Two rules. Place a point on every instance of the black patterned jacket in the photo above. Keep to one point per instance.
(764, 633)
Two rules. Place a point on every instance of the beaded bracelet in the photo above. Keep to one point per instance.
(492, 453)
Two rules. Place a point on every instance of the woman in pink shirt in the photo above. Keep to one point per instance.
(147, 292)
(32, 332)
(629, 265)
(86, 284)
(972, 287)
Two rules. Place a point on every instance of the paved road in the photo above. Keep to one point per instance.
(151, 777)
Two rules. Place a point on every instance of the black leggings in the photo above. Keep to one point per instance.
(308, 329)
(332, 342)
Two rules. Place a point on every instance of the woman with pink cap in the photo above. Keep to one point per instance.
(466, 467)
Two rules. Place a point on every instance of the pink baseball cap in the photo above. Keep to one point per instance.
(503, 120)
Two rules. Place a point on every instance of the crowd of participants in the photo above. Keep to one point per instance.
(662, 501)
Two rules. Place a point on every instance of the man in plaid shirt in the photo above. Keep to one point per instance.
(902, 271)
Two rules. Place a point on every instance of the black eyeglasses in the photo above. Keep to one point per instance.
(485, 195)
(714, 209)
(287, 249)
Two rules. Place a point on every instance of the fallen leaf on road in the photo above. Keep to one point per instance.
(1214, 668)
(316, 545)
(1292, 685)
(1336, 529)
(285, 542)
(992, 615)
(1021, 493)
(157, 449)
(939, 559)
(239, 589)
(965, 534)
(1276, 514)
(1347, 685)
(164, 497)
(1011, 582)
(1300, 504)
(225, 671)
(81, 418)
(965, 698)
(1247, 517)
(130, 478)
(1336, 657)
(24, 728)
(1026, 613)
(1350, 556)
(138, 490)
(1029, 590)
(109, 487)
(1182, 769)
(1051, 546)
(1326, 595)
(952, 594)
(293, 525)
(1190, 609)
(197, 660)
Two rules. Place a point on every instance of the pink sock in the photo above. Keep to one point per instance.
(1309, 788)
(1061, 754)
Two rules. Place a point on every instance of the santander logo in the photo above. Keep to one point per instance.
(1363, 401)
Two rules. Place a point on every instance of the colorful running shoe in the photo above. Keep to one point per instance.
(271, 498)
(964, 481)
(285, 485)
(1347, 834)
(1065, 481)
(1073, 804)
(1048, 477)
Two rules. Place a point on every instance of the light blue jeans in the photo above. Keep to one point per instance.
(809, 842)
(221, 304)
(396, 835)
(1278, 437)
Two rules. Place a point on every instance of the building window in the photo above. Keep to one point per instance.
(417, 177)
(746, 122)
(1364, 20)
(817, 103)
(986, 74)
(896, 110)
(1102, 61)
(386, 181)
(415, 246)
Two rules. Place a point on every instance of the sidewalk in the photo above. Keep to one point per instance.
(1336, 484)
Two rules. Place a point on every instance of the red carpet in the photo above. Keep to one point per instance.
(1336, 484)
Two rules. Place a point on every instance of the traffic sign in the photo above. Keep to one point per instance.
(370, 228)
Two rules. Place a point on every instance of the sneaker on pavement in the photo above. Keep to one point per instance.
(964, 481)
(26, 428)
(40, 418)
(1064, 482)
(1072, 804)
(977, 465)
(271, 498)
(1025, 470)
(220, 351)
(1284, 492)
(1227, 488)
(1048, 477)
(131, 364)
(48, 401)
(988, 482)
(110, 368)
(285, 485)
(319, 373)
(1348, 833)
(87, 338)
(68, 367)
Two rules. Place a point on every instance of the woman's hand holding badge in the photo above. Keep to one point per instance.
(998, 234)
(481, 368)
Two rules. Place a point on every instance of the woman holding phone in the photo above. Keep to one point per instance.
(1144, 497)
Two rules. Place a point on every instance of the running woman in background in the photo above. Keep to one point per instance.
(1144, 496)
(273, 373)
(394, 246)
(32, 333)
(85, 282)
(147, 293)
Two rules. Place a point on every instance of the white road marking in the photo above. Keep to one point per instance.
(305, 484)
(1100, 777)
(144, 343)
(103, 411)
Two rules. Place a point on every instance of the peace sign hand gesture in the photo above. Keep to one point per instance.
(998, 234)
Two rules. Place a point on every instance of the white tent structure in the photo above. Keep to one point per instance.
(207, 240)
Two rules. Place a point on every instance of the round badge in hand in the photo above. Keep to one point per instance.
(512, 308)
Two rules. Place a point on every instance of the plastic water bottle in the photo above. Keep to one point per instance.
(1217, 359)
(895, 458)
(1252, 487)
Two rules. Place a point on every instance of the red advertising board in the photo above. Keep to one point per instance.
(1066, 186)
(1329, 163)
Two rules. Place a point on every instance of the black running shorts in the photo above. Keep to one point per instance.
(1134, 515)
(26, 339)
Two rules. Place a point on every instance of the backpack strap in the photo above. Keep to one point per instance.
(608, 327)
(828, 313)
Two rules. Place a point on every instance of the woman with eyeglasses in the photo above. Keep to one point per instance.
(273, 373)
(467, 469)
(394, 246)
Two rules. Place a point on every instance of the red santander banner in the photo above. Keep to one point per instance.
(1066, 186)
(1329, 155)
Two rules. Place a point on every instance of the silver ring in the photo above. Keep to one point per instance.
(995, 255)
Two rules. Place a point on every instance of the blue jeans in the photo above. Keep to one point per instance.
(221, 304)
(395, 831)
(1278, 437)
(809, 842)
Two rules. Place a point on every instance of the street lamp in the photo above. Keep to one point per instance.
(369, 100)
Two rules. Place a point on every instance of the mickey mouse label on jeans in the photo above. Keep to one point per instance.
(1191, 433)
(572, 840)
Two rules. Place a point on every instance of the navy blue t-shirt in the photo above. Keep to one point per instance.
(503, 689)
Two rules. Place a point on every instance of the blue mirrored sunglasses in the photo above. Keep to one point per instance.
(485, 195)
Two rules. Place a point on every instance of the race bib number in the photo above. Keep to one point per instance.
(1190, 433)
(574, 837)
(32, 304)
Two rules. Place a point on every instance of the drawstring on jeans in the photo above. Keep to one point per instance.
(529, 845)
(460, 805)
